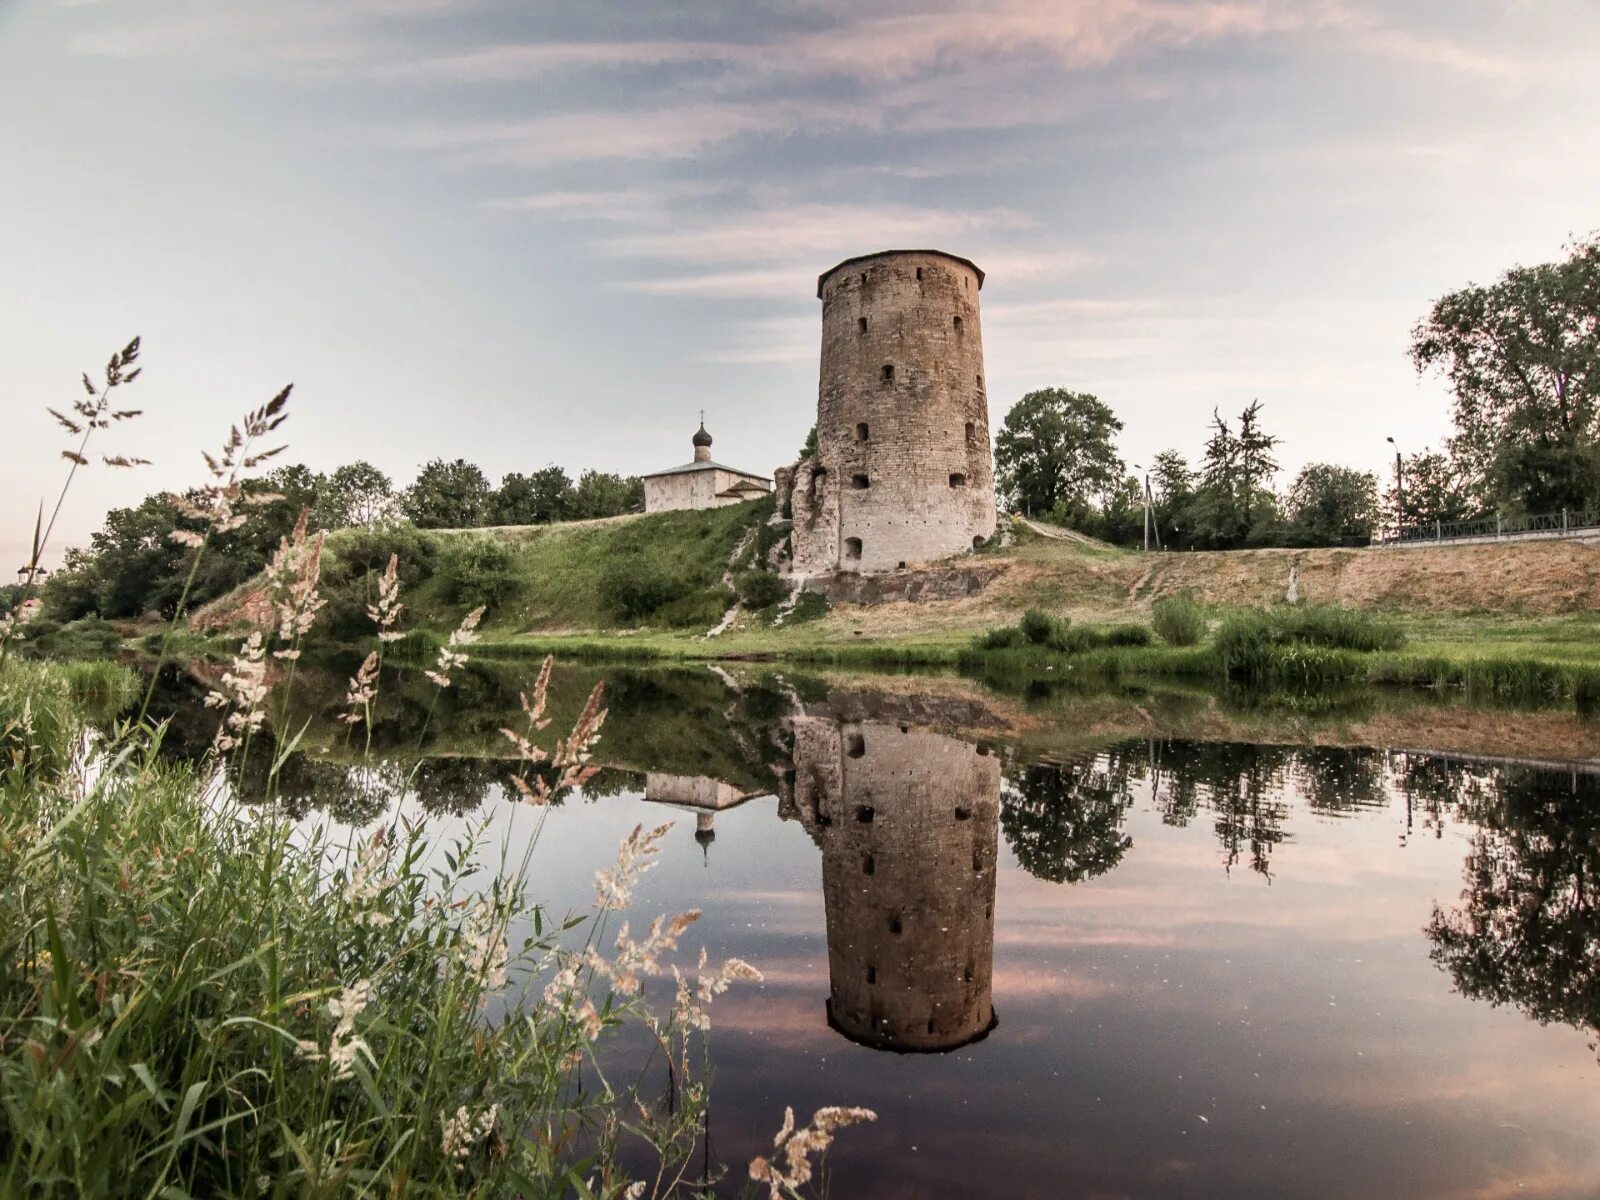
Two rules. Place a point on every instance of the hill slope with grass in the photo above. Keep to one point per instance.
(662, 580)
(664, 570)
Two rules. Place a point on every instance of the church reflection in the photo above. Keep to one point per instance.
(908, 823)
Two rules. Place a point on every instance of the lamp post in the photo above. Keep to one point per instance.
(1399, 492)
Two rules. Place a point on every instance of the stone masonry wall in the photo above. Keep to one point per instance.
(688, 489)
(902, 472)
(908, 824)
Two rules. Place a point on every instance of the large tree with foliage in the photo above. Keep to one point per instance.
(357, 493)
(602, 494)
(448, 495)
(1431, 488)
(1255, 464)
(1522, 357)
(536, 499)
(1056, 451)
(1331, 504)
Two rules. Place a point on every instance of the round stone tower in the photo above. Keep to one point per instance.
(902, 472)
(908, 823)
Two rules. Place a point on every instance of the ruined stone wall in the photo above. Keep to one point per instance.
(908, 824)
(902, 472)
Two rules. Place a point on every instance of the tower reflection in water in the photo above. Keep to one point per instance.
(908, 822)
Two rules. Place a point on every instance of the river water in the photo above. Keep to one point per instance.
(1059, 960)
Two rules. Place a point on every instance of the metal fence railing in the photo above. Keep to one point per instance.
(1489, 528)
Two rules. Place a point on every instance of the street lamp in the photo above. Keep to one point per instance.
(1399, 492)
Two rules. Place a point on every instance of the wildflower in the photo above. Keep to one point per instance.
(634, 959)
(451, 654)
(243, 693)
(797, 1145)
(386, 612)
(368, 882)
(558, 992)
(635, 856)
(363, 690)
(481, 949)
(588, 1019)
(464, 1131)
(692, 1006)
(343, 1046)
(292, 577)
(215, 505)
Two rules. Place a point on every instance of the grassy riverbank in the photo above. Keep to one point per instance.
(200, 998)
(1514, 619)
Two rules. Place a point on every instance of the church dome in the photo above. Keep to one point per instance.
(701, 437)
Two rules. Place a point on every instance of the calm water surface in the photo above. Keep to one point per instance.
(1159, 968)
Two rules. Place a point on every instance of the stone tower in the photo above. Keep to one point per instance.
(902, 472)
(908, 823)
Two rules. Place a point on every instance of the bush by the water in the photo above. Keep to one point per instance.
(1178, 619)
(1039, 627)
(1059, 635)
(1267, 642)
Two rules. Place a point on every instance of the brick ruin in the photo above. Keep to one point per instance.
(902, 472)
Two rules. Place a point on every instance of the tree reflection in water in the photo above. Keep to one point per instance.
(1063, 821)
(1527, 932)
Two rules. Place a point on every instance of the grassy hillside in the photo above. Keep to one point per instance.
(661, 571)
(652, 585)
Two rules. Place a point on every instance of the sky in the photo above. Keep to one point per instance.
(555, 230)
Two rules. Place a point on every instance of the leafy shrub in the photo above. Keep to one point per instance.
(1007, 637)
(758, 588)
(479, 570)
(1178, 619)
(352, 564)
(1255, 643)
(1125, 635)
(1339, 627)
(635, 591)
(1039, 626)
(700, 608)
(1071, 639)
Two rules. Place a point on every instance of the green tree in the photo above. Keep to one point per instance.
(1234, 499)
(1056, 450)
(601, 494)
(809, 449)
(1256, 466)
(300, 487)
(448, 495)
(1172, 482)
(1432, 488)
(1522, 357)
(1331, 503)
(1213, 512)
(536, 499)
(356, 494)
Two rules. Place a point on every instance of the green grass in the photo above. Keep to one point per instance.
(565, 570)
(44, 705)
